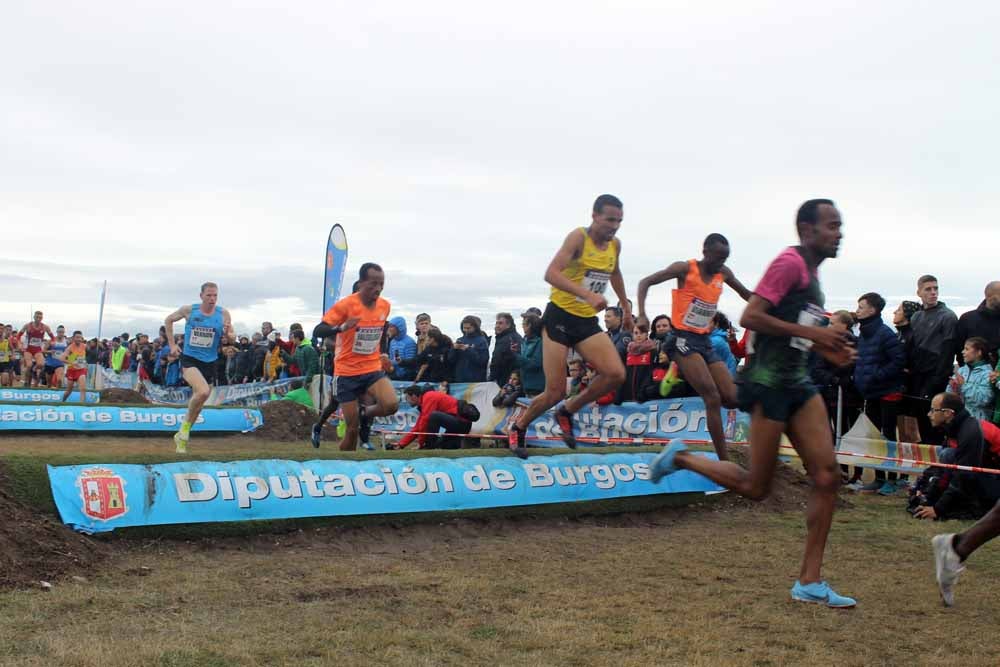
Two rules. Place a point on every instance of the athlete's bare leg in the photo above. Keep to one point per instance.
(386, 399)
(985, 530)
(352, 422)
(554, 367)
(702, 380)
(57, 377)
(386, 403)
(600, 353)
(724, 382)
(81, 386)
(200, 391)
(755, 483)
(809, 431)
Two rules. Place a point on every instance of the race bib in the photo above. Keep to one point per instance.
(80, 362)
(595, 281)
(202, 337)
(811, 316)
(699, 314)
(34, 342)
(366, 340)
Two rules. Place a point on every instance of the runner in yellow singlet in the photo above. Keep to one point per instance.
(579, 274)
(5, 357)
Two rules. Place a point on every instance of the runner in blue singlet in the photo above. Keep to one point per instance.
(208, 326)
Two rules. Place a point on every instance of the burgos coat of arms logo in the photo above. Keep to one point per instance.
(103, 494)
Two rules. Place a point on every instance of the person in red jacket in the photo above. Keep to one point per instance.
(437, 410)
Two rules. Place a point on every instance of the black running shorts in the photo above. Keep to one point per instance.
(568, 329)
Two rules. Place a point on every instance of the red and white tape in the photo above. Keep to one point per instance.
(664, 441)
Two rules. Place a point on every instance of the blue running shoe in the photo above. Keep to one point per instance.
(889, 488)
(821, 593)
(367, 446)
(315, 437)
(663, 464)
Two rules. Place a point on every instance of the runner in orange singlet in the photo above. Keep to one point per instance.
(75, 358)
(695, 302)
(358, 322)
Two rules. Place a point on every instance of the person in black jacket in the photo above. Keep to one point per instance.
(506, 349)
(613, 324)
(878, 375)
(967, 492)
(470, 353)
(435, 362)
(931, 353)
(983, 322)
(244, 361)
(836, 385)
(258, 353)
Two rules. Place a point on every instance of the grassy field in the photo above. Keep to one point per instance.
(703, 585)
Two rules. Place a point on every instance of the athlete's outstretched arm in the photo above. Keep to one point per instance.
(181, 313)
(618, 285)
(735, 283)
(675, 270)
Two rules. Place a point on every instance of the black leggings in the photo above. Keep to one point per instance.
(328, 411)
(884, 414)
(451, 424)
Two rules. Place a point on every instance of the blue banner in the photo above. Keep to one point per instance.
(100, 498)
(334, 265)
(106, 378)
(251, 394)
(668, 418)
(20, 417)
(10, 394)
(157, 393)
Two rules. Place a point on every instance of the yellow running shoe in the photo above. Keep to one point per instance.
(180, 443)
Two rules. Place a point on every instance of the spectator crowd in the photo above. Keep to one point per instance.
(920, 380)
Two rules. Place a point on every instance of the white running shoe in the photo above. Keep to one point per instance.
(948, 566)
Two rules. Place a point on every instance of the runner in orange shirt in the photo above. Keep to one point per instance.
(358, 321)
(75, 358)
(694, 304)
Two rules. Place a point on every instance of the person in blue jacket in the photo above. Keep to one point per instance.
(471, 352)
(878, 376)
(401, 347)
(720, 341)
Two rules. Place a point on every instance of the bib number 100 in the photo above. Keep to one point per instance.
(596, 282)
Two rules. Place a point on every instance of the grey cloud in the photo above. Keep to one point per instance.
(465, 145)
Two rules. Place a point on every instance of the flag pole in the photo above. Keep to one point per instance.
(100, 312)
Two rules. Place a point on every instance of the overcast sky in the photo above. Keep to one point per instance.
(158, 145)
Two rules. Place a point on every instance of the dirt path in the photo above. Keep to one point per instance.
(693, 586)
